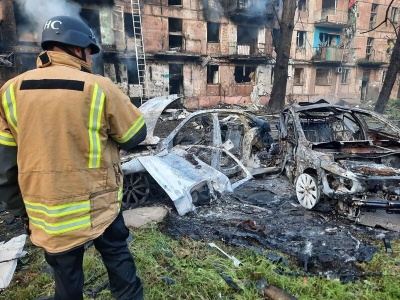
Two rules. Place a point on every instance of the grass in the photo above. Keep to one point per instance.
(187, 269)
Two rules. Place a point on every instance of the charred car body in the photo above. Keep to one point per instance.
(206, 154)
(348, 155)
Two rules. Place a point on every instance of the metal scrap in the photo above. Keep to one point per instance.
(236, 262)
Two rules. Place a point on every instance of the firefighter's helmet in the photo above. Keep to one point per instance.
(69, 31)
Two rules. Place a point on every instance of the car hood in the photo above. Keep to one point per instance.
(365, 157)
(152, 110)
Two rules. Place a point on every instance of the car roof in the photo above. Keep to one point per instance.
(323, 105)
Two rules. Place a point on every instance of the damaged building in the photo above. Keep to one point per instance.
(217, 51)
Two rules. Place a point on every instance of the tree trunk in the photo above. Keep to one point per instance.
(390, 78)
(278, 93)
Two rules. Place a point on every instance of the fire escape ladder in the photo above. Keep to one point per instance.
(139, 48)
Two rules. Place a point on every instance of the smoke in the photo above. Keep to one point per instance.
(212, 10)
(216, 9)
(39, 11)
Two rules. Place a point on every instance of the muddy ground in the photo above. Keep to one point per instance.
(264, 215)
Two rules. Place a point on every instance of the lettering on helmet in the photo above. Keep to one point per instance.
(52, 24)
(91, 34)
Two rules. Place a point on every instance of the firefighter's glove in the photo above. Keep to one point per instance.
(25, 223)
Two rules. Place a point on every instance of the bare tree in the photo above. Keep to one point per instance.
(393, 68)
(390, 78)
(286, 25)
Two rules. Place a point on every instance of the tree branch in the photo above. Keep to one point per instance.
(384, 21)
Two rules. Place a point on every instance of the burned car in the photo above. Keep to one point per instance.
(349, 156)
(207, 153)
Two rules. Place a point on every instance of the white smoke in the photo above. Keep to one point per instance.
(39, 11)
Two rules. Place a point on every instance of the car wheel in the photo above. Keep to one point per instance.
(307, 190)
(136, 190)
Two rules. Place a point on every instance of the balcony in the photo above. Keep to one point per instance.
(259, 50)
(331, 18)
(374, 58)
(330, 54)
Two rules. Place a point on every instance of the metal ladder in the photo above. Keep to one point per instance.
(139, 48)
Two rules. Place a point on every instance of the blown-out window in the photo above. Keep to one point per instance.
(323, 76)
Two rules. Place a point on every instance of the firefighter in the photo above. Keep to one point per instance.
(61, 128)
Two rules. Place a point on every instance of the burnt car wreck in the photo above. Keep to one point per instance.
(347, 155)
(208, 153)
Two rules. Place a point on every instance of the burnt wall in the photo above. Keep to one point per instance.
(8, 30)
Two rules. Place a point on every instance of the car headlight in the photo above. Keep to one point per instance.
(339, 183)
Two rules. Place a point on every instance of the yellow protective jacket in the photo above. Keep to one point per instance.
(64, 126)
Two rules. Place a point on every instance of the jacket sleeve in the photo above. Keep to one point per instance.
(126, 123)
(10, 193)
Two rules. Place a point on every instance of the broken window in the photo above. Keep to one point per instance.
(175, 79)
(328, 39)
(301, 39)
(327, 128)
(174, 2)
(212, 32)
(298, 76)
(112, 27)
(212, 74)
(394, 16)
(329, 5)
(130, 68)
(302, 5)
(244, 74)
(345, 76)
(377, 130)
(128, 25)
(175, 33)
(369, 49)
(373, 16)
(323, 76)
(247, 39)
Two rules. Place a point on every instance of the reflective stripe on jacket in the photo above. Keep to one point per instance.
(67, 124)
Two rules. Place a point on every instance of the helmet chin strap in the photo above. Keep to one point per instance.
(83, 54)
(68, 51)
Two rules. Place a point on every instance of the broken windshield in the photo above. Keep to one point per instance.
(377, 129)
(342, 126)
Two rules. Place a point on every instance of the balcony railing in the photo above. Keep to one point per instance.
(246, 49)
(6, 59)
(330, 54)
(374, 57)
(331, 16)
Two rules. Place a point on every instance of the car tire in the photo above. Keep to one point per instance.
(307, 190)
(136, 189)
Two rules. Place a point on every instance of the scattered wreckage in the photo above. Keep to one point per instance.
(210, 152)
(348, 155)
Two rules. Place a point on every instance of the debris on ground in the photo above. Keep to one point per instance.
(10, 253)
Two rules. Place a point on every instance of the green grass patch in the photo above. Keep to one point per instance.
(187, 269)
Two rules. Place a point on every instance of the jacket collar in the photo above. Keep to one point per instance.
(48, 58)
